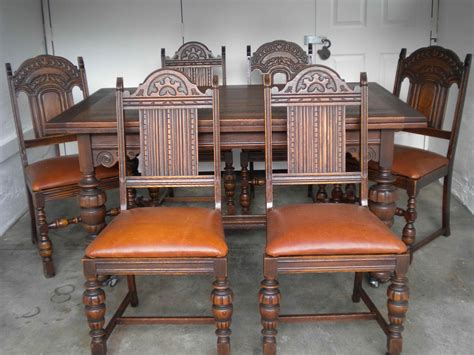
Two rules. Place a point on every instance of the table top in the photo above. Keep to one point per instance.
(241, 110)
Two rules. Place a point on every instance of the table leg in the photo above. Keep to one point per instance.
(229, 182)
(383, 195)
(91, 198)
(244, 183)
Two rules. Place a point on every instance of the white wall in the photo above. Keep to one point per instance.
(456, 32)
(21, 37)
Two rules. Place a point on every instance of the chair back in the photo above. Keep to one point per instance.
(431, 72)
(197, 62)
(168, 105)
(316, 101)
(48, 82)
(278, 56)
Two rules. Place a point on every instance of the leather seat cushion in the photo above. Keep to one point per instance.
(61, 171)
(328, 229)
(414, 163)
(161, 232)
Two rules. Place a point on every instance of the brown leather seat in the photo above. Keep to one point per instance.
(161, 232)
(328, 229)
(61, 171)
(416, 163)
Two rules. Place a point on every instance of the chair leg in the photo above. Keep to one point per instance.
(132, 288)
(31, 207)
(221, 298)
(409, 231)
(45, 247)
(397, 304)
(447, 205)
(252, 175)
(359, 276)
(94, 301)
(269, 297)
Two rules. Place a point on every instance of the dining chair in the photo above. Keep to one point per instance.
(431, 72)
(196, 61)
(162, 240)
(325, 238)
(273, 58)
(48, 82)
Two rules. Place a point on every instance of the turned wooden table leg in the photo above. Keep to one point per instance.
(229, 183)
(91, 198)
(383, 194)
(244, 183)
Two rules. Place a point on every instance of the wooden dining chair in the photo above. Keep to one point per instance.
(320, 238)
(162, 240)
(196, 61)
(48, 82)
(431, 71)
(273, 58)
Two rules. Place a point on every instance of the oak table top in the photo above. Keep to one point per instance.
(241, 110)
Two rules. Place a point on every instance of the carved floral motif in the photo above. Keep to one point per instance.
(316, 79)
(167, 83)
(46, 69)
(193, 51)
(434, 63)
(279, 56)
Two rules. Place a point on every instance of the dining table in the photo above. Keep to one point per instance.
(93, 121)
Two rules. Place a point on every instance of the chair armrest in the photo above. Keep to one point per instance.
(38, 142)
(432, 132)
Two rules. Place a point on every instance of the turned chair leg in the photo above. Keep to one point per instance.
(31, 207)
(132, 288)
(397, 304)
(252, 175)
(222, 308)
(269, 297)
(359, 276)
(446, 205)
(409, 231)
(45, 247)
(94, 301)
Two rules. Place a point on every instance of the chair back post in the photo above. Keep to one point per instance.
(364, 140)
(163, 57)
(249, 70)
(121, 145)
(82, 70)
(224, 67)
(398, 78)
(459, 109)
(16, 115)
(217, 142)
(267, 84)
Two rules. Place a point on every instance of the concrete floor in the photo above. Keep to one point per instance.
(45, 316)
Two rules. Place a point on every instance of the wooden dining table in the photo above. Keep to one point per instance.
(93, 120)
